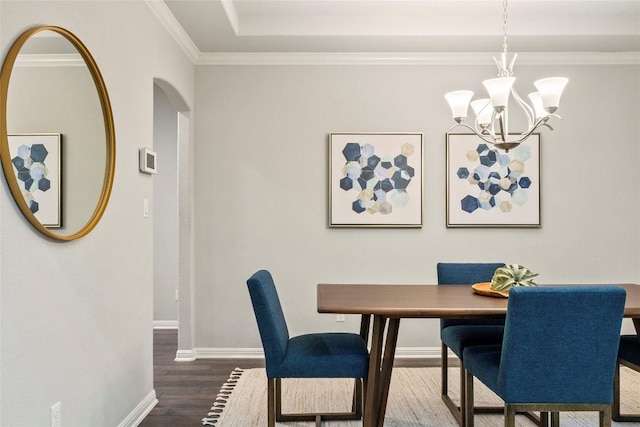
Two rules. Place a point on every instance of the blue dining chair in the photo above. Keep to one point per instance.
(629, 356)
(315, 355)
(558, 353)
(456, 334)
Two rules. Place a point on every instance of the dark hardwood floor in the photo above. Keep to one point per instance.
(186, 390)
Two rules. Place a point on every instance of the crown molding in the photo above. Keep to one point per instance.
(414, 58)
(171, 24)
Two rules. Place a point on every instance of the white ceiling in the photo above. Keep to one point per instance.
(396, 26)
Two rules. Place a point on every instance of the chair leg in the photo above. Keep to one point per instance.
(615, 410)
(444, 366)
(356, 405)
(509, 416)
(278, 398)
(468, 399)
(605, 417)
(271, 402)
(544, 419)
(555, 419)
(463, 392)
(456, 411)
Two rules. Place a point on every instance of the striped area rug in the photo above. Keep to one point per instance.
(414, 400)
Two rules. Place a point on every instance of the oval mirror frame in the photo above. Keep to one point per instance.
(5, 155)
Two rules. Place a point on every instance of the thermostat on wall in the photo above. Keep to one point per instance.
(148, 161)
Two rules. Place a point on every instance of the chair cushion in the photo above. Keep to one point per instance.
(457, 338)
(630, 349)
(484, 362)
(323, 355)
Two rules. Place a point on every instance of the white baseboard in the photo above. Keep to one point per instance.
(257, 353)
(165, 324)
(141, 411)
(185, 356)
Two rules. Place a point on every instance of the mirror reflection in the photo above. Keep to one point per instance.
(56, 134)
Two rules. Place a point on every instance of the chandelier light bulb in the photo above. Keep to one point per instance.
(550, 90)
(499, 89)
(459, 103)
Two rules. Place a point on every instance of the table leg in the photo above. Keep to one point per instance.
(636, 324)
(387, 366)
(382, 353)
(372, 401)
(365, 326)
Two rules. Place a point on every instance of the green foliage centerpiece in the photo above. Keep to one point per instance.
(512, 275)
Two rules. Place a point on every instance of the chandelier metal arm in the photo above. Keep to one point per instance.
(492, 139)
(528, 110)
(537, 124)
(478, 134)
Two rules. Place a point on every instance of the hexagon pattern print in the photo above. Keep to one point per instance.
(36, 163)
(376, 179)
(491, 187)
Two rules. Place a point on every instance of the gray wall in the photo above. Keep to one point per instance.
(76, 318)
(261, 187)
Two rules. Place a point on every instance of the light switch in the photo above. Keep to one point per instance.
(145, 208)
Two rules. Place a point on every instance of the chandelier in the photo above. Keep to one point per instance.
(492, 114)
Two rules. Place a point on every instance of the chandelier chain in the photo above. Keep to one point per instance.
(504, 25)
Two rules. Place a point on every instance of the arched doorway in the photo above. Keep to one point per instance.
(174, 217)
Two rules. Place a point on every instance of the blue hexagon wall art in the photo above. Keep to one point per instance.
(37, 162)
(488, 187)
(376, 179)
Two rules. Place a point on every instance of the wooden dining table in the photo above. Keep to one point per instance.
(386, 304)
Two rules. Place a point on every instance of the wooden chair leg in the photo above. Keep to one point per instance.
(605, 417)
(463, 388)
(271, 404)
(444, 366)
(356, 405)
(544, 419)
(509, 416)
(468, 400)
(278, 398)
(364, 397)
(615, 410)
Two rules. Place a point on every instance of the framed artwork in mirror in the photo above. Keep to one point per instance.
(37, 164)
(489, 187)
(375, 179)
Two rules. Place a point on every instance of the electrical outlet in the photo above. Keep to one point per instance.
(339, 317)
(56, 415)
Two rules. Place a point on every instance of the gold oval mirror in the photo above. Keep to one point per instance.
(57, 118)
